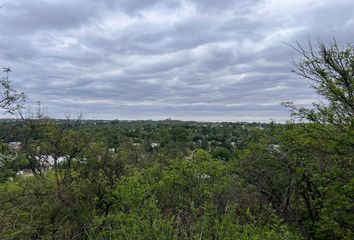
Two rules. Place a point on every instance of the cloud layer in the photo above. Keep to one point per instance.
(184, 59)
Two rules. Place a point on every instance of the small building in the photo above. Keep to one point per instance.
(154, 145)
(15, 146)
(25, 173)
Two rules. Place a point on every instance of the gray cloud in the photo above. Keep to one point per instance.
(185, 59)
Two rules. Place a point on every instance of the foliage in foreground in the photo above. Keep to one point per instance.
(189, 199)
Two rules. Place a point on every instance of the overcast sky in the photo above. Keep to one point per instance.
(205, 60)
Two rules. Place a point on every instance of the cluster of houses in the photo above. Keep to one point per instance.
(47, 161)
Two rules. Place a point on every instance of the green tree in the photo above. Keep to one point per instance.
(330, 71)
(221, 153)
(10, 99)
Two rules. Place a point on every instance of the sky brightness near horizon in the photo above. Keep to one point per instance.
(203, 60)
